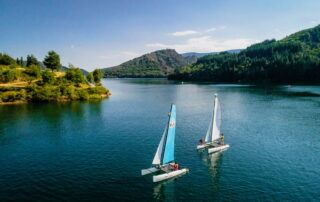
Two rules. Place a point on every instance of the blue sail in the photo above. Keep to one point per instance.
(168, 154)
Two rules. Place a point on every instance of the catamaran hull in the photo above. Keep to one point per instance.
(217, 149)
(158, 178)
(149, 171)
(203, 146)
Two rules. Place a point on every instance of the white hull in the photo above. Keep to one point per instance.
(205, 145)
(218, 148)
(158, 178)
(149, 170)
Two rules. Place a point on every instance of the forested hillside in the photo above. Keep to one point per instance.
(294, 59)
(156, 64)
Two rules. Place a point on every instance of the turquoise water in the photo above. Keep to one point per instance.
(94, 151)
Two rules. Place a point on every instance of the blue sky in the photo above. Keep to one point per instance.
(94, 34)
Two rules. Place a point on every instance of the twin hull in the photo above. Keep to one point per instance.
(217, 149)
(165, 176)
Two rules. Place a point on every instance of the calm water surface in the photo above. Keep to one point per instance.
(94, 151)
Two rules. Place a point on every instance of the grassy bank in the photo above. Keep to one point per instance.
(33, 84)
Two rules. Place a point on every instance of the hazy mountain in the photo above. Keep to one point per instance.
(199, 55)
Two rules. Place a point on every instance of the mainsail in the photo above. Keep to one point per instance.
(216, 121)
(213, 132)
(165, 150)
(158, 155)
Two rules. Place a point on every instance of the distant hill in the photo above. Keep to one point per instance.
(156, 64)
(199, 55)
(294, 59)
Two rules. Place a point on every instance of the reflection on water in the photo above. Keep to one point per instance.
(164, 190)
(213, 162)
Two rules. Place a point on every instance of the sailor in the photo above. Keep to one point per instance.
(176, 166)
(201, 141)
(222, 139)
(172, 166)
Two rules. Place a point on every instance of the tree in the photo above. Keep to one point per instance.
(90, 77)
(5, 59)
(52, 61)
(31, 60)
(47, 77)
(75, 75)
(97, 75)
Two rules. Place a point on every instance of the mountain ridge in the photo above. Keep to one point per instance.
(159, 63)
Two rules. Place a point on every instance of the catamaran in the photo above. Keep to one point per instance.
(163, 161)
(213, 135)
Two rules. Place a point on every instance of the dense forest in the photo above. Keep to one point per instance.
(27, 81)
(294, 59)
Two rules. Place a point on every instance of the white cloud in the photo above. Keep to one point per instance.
(116, 58)
(194, 32)
(184, 33)
(314, 22)
(211, 30)
(206, 44)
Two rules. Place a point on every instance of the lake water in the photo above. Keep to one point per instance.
(84, 151)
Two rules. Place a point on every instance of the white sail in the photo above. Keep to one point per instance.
(158, 155)
(209, 131)
(216, 121)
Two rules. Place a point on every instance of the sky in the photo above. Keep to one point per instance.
(102, 33)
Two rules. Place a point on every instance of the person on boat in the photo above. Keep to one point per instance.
(172, 166)
(222, 139)
(201, 142)
(176, 167)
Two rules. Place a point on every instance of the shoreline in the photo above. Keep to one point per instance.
(59, 100)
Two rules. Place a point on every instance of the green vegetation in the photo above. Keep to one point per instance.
(156, 64)
(89, 77)
(20, 84)
(293, 59)
(31, 60)
(97, 75)
(52, 61)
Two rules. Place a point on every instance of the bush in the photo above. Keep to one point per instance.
(83, 94)
(98, 90)
(71, 93)
(45, 93)
(90, 78)
(8, 75)
(11, 96)
(75, 75)
(33, 71)
(47, 77)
